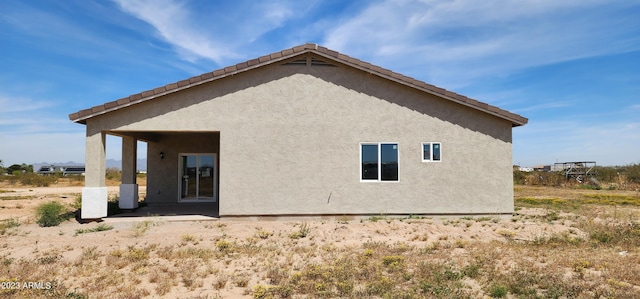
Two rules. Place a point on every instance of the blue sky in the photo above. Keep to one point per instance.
(572, 67)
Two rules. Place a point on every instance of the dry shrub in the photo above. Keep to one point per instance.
(241, 281)
(189, 274)
(7, 224)
(51, 214)
(220, 282)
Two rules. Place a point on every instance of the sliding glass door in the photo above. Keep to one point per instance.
(197, 177)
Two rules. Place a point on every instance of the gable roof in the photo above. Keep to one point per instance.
(82, 115)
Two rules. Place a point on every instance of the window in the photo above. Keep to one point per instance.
(431, 152)
(379, 161)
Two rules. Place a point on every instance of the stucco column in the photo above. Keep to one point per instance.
(94, 194)
(129, 188)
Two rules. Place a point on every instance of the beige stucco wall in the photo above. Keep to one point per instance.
(289, 144)
(164, 187)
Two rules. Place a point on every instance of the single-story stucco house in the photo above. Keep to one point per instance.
(306, 131)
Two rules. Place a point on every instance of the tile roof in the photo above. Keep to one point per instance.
(82, 115)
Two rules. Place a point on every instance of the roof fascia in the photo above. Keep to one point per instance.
(80, 117)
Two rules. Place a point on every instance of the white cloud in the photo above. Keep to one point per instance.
(544, 106)
(455, 41)
(171, 20)
(214, 33)
(10, 105)
(22, 117)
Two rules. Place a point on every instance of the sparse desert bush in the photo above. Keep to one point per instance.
(276, 274)
(188, 238)
(633, 173)
(29, 178)
(625, 177)
(262, 292)
(392, 260)
(7, 224)
(141, 228)
(625, 233)
(506, 233)
(220, 282)
(224, 245)
(497, 291)
(98, 228)
(51, 214)
(302, 231)
(188, 272)
(263, 234)
(34, 179)
(241, 281)
(113, 173)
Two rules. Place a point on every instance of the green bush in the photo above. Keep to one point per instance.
(498, 291)
(607, 174)
(51, 214)
(633, 173)
(519, 177)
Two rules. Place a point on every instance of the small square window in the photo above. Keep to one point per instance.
(431, 152)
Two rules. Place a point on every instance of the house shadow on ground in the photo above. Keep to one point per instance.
(208, 209)
(181, 211)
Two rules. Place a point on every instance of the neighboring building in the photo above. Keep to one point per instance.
(64, 170)
(542, 168)
(525, 169)
(306, 131)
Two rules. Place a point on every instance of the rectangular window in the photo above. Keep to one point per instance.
(369, 161)
(431, 152)
(379, 161)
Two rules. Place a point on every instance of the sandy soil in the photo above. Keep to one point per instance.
(29, 241)
(20, 202)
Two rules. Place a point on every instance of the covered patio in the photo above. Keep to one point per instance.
(182, 178)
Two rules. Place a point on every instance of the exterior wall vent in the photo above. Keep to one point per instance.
(318, 62)
(309, 61)
(302, 61)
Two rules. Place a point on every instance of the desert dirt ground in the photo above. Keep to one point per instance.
(386, 257)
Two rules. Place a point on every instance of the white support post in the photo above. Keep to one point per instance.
(128, 187)
(94, 194)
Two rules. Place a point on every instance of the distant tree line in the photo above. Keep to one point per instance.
(24, 174)
(607, 177)
(15, 168)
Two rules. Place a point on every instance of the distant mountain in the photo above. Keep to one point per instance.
(110, 163)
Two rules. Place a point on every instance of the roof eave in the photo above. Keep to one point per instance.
(83, 115)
